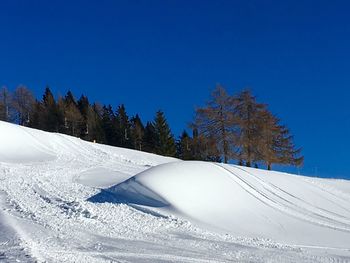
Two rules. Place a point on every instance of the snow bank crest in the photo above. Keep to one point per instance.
(23, 145)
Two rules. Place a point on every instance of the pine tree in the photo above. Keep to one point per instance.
(97, 133)
(165, 144)
(123, 127)
(137, 132)
(37, 116)
(52, 116)
(149, 138)
(184, 147)
(73, 120)
(91, 123)
(109, 125)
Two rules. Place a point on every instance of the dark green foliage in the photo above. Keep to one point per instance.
(165, 142)
(96, 132)
(73, 119)
(184, 147)
(108, 122)
(51, 118)
(123, 128)
(91, 127)
(36, 120)
(149, 138)
(137, 132)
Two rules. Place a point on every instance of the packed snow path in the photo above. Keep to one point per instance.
(67, 200)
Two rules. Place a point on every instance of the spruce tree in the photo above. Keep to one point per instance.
(149, 138)
(184, 147)
(37, 116)
(91, 125)
(52, 116)
(97, 133)
(137, 132)
(123, 127)
(165, 143)
(108, 122)
(73, 120)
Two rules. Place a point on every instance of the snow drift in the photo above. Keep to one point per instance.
(242, 201)
(63, 199)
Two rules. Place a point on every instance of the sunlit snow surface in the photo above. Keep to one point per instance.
(66, 200)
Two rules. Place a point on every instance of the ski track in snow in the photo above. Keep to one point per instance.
(275, 197)
(45, 215)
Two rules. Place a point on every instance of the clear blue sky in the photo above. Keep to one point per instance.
(169, 55)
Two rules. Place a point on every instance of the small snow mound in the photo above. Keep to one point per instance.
(199, 190)
(242, 201)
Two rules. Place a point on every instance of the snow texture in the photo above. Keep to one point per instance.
(66, 200)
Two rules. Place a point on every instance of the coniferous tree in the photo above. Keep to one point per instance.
(184, 147)
(91, 125)
(165, 144)
(216, 121)
(247, 111)
(137, 132)
(242, 129)
(37, 116)
(205, 148)
(232, 127)
(123, 127)
(73, 120)
(83, 105)
(52, 116)
(276, 144)
(108, 121)
(98, 133)
(149, 138)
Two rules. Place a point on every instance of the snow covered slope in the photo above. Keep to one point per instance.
(66, 200)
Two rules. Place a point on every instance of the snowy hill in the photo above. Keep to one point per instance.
(66, 200)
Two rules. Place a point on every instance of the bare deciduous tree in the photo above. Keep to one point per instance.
(217, 121)
(5, 101)
(23, 102)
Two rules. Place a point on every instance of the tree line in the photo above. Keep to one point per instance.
(227, 128)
